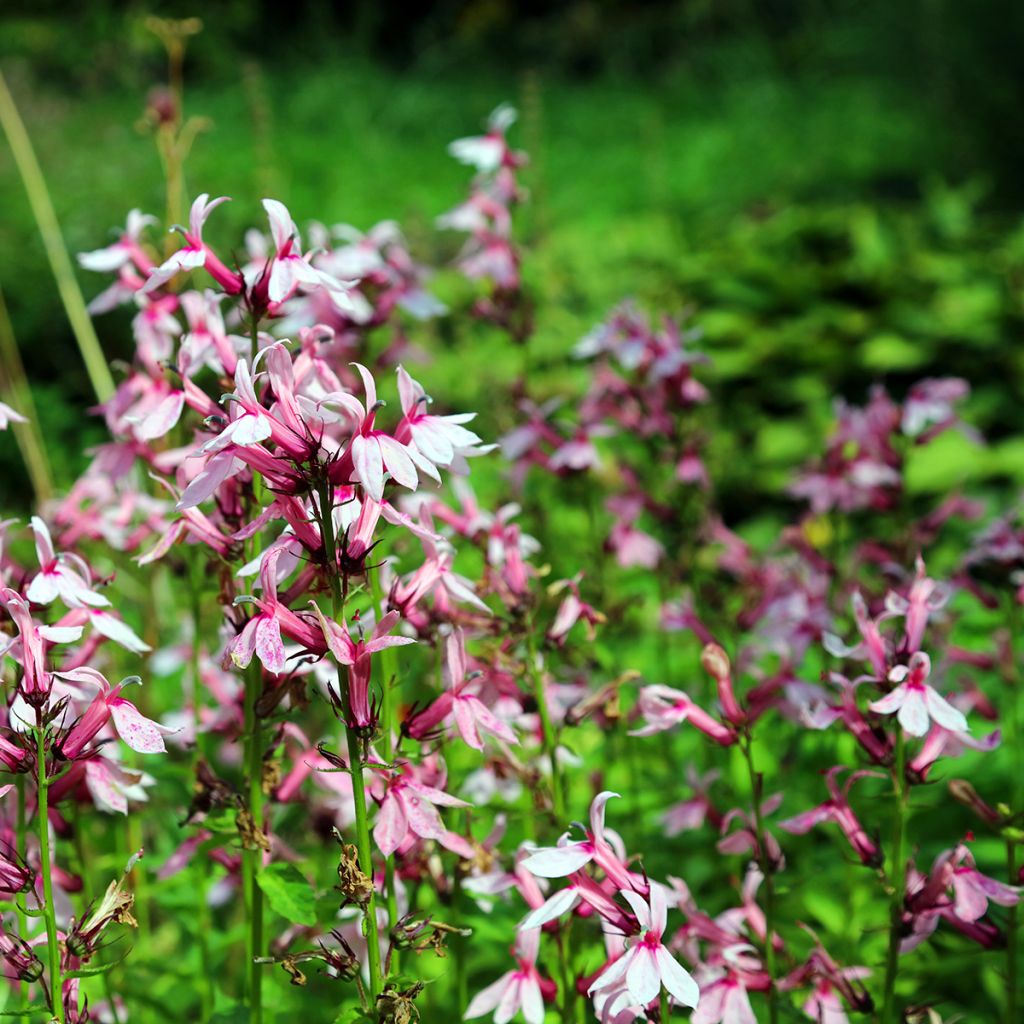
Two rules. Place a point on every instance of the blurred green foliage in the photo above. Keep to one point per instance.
(802, 213)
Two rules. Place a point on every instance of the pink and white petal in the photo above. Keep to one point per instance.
(205, 483)
(677, 979)
(551, 909)
(44, 543)
(913, 714)
(392, 825)
(368, 465)
(802, 823)
(115, 629)
(466, 724)
(105, 795)
(43, 589)
(642, 978)
(891, 702)
(640, 909)
(532, 1001)
(269, 646)
(944, 713)
(423, 817)
(397, 461)
(369, 386)
(597, 809)
(61, 634)
(612, 975)
(163, 418)
(139, 732)
(511, 1000)
(968, 902)
(486, 1000)
(559, 861)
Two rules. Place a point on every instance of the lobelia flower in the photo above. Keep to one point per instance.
(570, 856)
(195, 253)
(926, 596)
(355, 656)
(837, 809)
(915, 702)
(438, 439)
(65, 575)
(409, 810)
(127, 249)
(140, 733)
(664, 708)
(647, 965)
(261, 635)
(35, 683)
(973, 891)
(470, 713)
(519, 989)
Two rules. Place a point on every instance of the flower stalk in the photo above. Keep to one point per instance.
(49, 911)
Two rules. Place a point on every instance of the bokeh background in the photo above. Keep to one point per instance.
(833, 186)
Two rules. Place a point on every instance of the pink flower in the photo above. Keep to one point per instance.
(409, 809)
(519, 989)
(372, 452)
(915, 702)
(568, 857)
(195, 253)
(838, 810)
(438, 439)
(65, 575)
(647, 965)
(664, 708)
(458, 703)
(35, 682)
(355, 656)
(126, 249)
(140, 733)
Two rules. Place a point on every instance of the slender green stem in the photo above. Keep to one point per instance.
(365, 861)
(389, 679)
(756, 787)
(355, 752)
(666, 1010)
(49, 912)
(1016, 741)
(252, 856)
(1012, 939)
(28, 435)
(549, 737)
(897, 880)
(56, 251)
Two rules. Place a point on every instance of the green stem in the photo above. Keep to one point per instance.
(56, 251)
(355, 752)
(27, 435)
(666, 1010)
(747, 745)
(1012, 938)
(389, 678)
(549, 738)
(43, 821)
(897, 880)
(252, 857)
(365, 862)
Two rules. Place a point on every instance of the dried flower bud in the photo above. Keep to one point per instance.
(353, 883)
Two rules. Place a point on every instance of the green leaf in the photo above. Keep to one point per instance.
(288, 893)
(91, 972)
